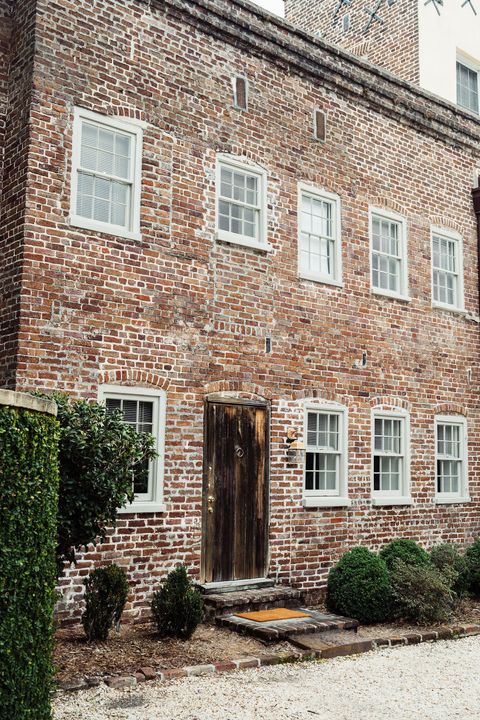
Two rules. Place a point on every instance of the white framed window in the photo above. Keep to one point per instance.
(451, 470)
(241, 216)
(106, 174)
(319, 235)
(326, 455)
(447, 270)
(143, 409)
(468, 85)
(390, 457)
(388, 254)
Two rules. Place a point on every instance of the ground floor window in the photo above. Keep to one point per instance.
(390, 457)
(451, 458)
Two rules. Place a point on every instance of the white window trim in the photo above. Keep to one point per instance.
(401, 220)
(335, 279)
(473, 65)
(312, 498)
(133, 127)
(449, 235)
(237, 163)
(463, 495)
(156, 504)
(403, 497)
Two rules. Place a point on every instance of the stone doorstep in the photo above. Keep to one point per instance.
(284, 629)
(248, 600)
(322, 653)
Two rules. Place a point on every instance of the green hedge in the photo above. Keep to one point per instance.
(28, 527)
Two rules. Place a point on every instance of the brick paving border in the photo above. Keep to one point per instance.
(341, 650)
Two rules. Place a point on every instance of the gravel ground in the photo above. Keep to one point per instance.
(432, 681)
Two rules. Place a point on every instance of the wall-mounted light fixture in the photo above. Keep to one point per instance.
(295, 447)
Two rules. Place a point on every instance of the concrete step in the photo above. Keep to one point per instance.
(274, 631)
(229, 603)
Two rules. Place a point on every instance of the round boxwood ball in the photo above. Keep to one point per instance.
(359, 587)
(406, 550)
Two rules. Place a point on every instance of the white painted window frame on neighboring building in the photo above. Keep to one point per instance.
(402, 496)
(338, 497)
(462, 496)
(333, 200)
(456, 239)
(130, 127)
(234, 163)
(473, 67)
(401, 222)
(155, 503)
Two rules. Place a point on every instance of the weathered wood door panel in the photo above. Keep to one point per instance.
(235, 491)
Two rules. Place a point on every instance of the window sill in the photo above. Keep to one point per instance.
(391, 295)
(377, 501)
(449, 308)
(326, 501)
(105, 228)
(452, 500)
(243, 241)
(321, 279)
(145, 507)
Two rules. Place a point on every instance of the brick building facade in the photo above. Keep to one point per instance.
(155, 256)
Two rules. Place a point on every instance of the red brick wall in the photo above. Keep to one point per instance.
(182, 311)
(391, 42)
(17, 28)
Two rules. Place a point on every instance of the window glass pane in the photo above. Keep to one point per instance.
(317, 235)
(386, 267)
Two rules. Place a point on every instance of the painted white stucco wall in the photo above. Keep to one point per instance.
(455, 31)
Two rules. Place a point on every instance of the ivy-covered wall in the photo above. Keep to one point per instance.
(28, 525)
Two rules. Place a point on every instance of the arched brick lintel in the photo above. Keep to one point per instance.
(130, 376)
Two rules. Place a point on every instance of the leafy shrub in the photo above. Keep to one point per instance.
(177, 607)
(406, 550)
(359, 587)
(98, 452)
(106, 591)
(452, 565)
(420, 593)
(28, 528)
(472, 557)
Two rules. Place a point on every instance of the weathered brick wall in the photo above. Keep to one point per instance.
(390, 39)
(17, 33)
(184, 312)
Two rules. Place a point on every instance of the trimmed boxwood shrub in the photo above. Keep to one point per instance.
(472, 557)
(406, 550)
(452, 565)
(106, 592)
(359, 587)
(177, 607)
(420, 593)
(28, 528)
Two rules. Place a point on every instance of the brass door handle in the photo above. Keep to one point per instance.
(211, 500)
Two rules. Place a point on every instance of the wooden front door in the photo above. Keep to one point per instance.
(235, 493)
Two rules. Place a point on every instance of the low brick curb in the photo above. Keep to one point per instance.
(340, 650)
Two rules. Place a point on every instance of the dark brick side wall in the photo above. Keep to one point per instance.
(390, 41)
(17, 47)
(181, 311)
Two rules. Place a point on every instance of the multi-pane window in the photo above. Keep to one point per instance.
(324, 449)
(319, 241)
(450, 457)
(142, 409)
(241, 206)
(446, 271)
(388, 255)
(105, 174)
(467, 87)
(389, 455)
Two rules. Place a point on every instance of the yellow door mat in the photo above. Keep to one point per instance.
(271, 615)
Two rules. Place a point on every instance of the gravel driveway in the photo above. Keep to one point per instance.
(430, 681)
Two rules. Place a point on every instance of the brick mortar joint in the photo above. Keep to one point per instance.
(446, 632)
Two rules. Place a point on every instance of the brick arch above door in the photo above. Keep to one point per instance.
(237, 388)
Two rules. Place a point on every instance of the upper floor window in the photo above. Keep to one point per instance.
(447, 270)
(320, 253)
(325, 475)
(241, 203)
(106, 174)
(467, 86)
(143, 409)
(390, 458)
(388, 254)
(451, 459)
